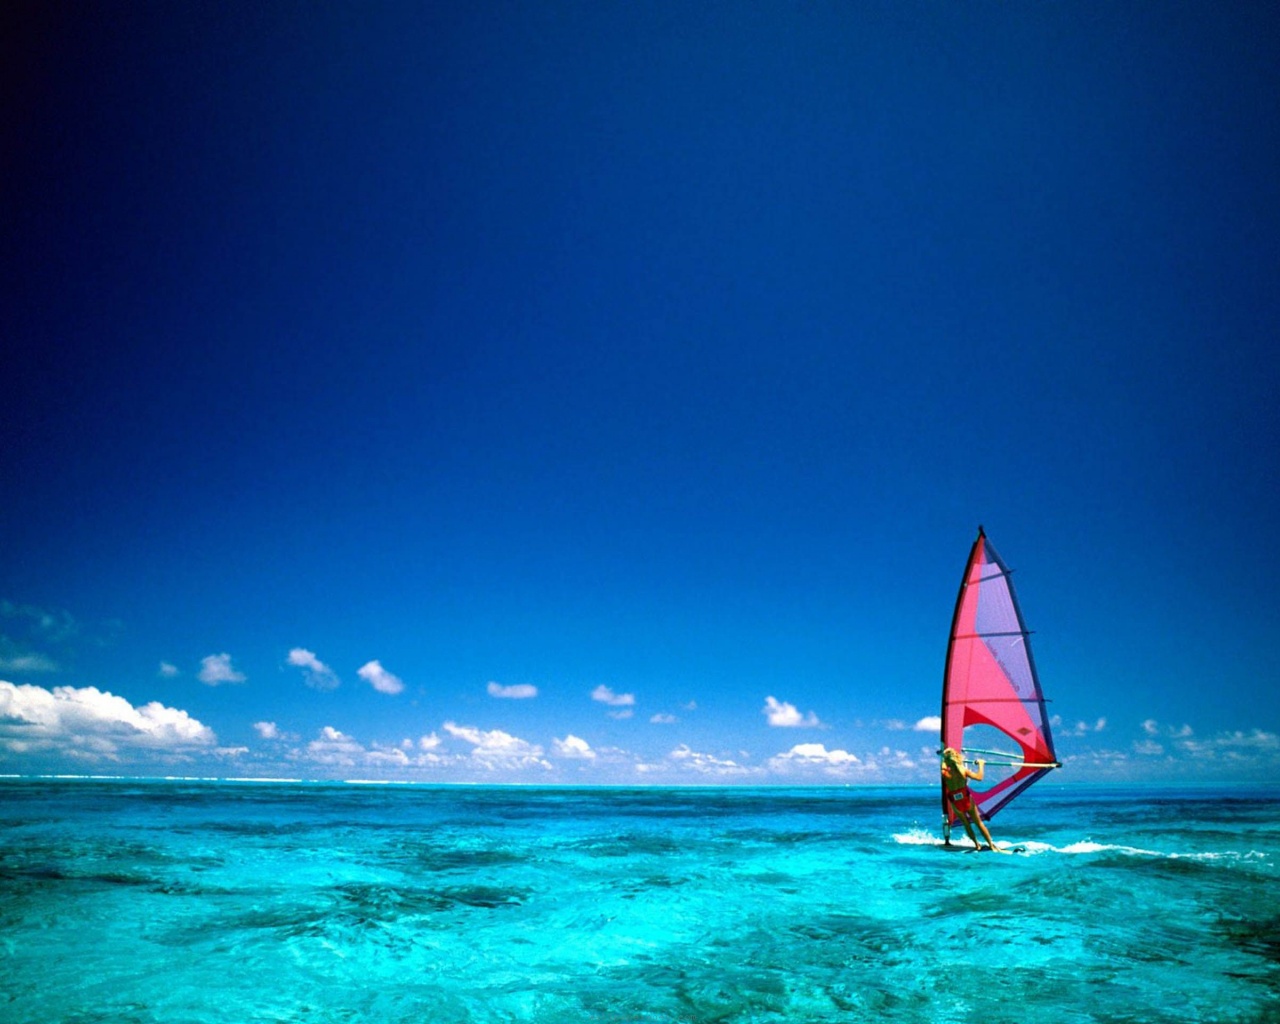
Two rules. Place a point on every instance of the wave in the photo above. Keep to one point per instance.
(922, 837)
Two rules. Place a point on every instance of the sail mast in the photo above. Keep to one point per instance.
(946, 674)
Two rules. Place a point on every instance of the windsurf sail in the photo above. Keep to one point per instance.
(992, 704)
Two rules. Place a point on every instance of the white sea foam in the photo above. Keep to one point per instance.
(917, 837)
(922, 837)
(1088, 846)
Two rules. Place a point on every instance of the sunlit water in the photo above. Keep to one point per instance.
(199, 901)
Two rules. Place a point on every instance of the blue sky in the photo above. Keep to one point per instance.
(611, 393)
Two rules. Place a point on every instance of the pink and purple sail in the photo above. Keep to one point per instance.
(990, 692)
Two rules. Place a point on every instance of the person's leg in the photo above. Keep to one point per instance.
(977, 820)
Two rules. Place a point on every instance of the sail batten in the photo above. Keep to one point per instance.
(995, 700)
(990, 683)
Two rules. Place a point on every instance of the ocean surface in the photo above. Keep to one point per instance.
(149, 901)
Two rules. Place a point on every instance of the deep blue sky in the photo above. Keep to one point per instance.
(677, 349)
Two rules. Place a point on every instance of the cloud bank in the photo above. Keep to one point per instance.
(813, 757)
(88, 724)
(496, 749)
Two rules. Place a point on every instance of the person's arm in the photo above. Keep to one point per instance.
(982, 770)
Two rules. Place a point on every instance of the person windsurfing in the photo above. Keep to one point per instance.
(955, 779)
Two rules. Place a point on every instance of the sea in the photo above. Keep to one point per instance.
(241, 901)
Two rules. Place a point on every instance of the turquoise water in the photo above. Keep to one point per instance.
(200, 901)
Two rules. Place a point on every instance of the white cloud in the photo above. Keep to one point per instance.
(605, 695)
(1102, 763)
(217, 669)
(782, 714)
(1153, 728)
(663, 719)
(575, 748)
(647, 768)
(1255, 749)
(1081, 728)
(819, 752)
(497, 749)
(271, 731)
(517, 691)
(383, 756)
(707, 764)
(335, 748)
(1257, 738)
(930, 723)
(26, 663)
(1232, 745)
(379, 678)
(168, 671)
(899, 760)
(92, 724)
(316, 673)
(813, 757)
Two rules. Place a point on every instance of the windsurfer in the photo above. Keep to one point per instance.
(955, 778)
